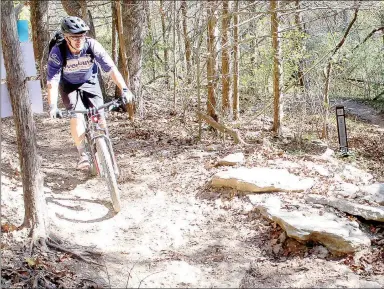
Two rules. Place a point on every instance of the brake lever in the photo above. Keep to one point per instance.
(115, 105)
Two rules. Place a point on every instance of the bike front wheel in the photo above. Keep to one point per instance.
(107, 171)
(91, 157)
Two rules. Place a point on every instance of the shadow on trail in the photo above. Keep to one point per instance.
(58, 184)
(110, 214)
(59, 168)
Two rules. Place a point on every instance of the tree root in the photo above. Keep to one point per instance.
(81, 256)
(234, 134)
(55, 243)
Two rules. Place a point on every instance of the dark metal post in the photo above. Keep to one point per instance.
(342, 129)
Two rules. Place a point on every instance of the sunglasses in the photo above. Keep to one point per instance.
(77, 38)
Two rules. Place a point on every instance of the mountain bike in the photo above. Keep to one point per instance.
(99, 149)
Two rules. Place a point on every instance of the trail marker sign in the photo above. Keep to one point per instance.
(342, 130)
(29, 65)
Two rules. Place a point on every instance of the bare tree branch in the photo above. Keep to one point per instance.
(338, 46)
(368, 36)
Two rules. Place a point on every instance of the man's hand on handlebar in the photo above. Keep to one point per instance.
(127, 96)
(54, 112)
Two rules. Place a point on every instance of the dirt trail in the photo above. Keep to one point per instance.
(363, 112)
(165, 235)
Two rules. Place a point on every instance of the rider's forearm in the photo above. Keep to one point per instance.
(53, 93)
(118, 78)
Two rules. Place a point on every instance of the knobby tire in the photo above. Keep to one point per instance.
(92, 168)
(104, 157)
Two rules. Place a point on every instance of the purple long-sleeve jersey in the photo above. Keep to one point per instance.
(79, 67)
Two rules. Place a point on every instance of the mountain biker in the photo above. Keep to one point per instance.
(76, 78)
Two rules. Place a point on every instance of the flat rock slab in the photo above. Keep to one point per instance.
(261, 180)
(339, 235)
(367, 212)
(347, 190)
(351, 173)
(374, 193)
(232, 160)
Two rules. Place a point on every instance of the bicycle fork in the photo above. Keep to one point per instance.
(111, 152)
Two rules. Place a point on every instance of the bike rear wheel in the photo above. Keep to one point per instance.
(107, 171)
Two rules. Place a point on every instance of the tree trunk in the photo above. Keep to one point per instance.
(327, 75)
(133, 24)
(30, 162)
(114, 38)
(300, 65)
(72, 7)
(75, 8)
(254, 43)
(187, 41)
(226, 78)
(99, 76)
(79, 8)
(174, 56)
(382, 24)
(92, 31)
(119, 57)
(277, 107)
(151, 38)
(40, 36)
(165, 40)
(198, 77)
(180, 42)
(19, 8)
(236, 61)
(123, 53)
(211, 64)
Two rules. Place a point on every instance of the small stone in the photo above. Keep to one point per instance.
(327, 154)
(337, 178)
(319, 143)
(321, 170)
(320, 251)
(211, 148)
(232, 160)
(284, 164)
(282, 237)
(197, 154)
(276, 248)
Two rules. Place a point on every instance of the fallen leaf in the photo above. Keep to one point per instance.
(31, 262)
(6, 228)
(372, 229)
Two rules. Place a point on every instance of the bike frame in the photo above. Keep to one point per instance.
(93, 131)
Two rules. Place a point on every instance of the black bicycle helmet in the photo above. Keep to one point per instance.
(73, 25)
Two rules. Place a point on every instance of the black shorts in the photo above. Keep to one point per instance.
(82, 96)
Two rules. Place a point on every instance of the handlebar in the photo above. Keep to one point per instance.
(93, 110)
